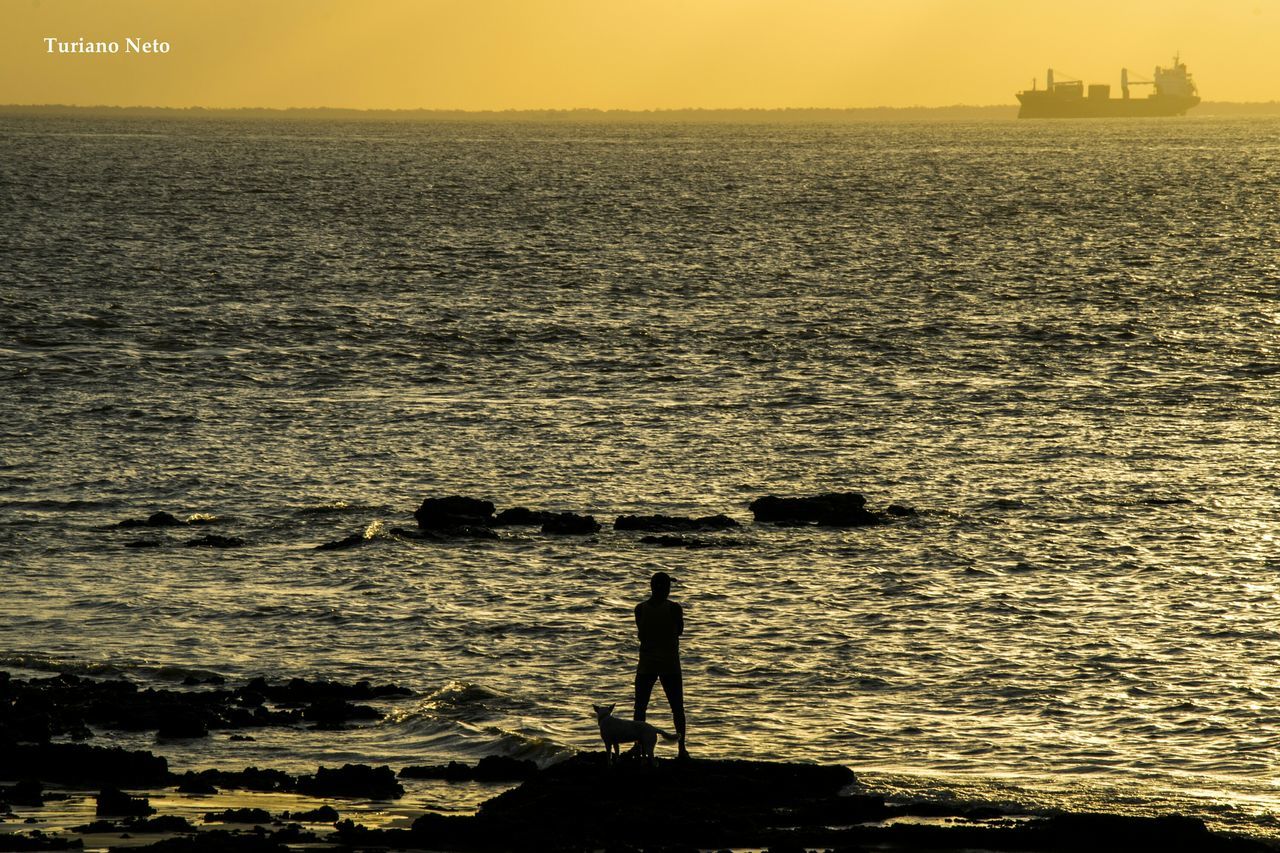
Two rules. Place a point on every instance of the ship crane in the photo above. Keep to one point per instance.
(1050, 80)
(1125, 83)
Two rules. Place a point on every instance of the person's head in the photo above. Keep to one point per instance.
(660, 583)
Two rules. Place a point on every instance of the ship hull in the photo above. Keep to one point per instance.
(1045, 104)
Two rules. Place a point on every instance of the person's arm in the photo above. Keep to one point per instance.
(638, 630)
(679, 620)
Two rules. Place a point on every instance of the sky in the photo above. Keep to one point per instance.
(611, 54)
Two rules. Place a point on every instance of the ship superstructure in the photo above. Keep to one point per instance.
(1173, 93)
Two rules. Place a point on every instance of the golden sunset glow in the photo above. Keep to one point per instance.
(658, 54)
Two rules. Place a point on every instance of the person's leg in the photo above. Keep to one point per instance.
(644, 687)
(673, 686)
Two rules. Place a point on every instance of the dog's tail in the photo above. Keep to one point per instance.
(666, 735)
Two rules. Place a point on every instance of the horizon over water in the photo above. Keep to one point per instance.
(1059, 341)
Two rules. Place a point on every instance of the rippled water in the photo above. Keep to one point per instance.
(1059, 341)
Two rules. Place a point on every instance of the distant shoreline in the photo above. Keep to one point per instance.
(709, 116)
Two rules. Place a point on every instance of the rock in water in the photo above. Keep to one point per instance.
(324, 814)
(355, 540)
(352, 780)
(491, 768)
(113, 801)
(675, 541)
(241, 815)
(673, 523)
(212, 540)
(182, 725)
(523, 515)
(156, 519)
(453, 511)
(831, 509)
(568, 523)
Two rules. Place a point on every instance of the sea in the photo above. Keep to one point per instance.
(1058, 342)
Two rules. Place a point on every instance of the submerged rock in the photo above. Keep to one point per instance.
(448, 534)
(668, 541)
(673, 523)
(156, 519)
(831, 509)
(453, 512)
(213, 540)
(571, 524)
(353, 541)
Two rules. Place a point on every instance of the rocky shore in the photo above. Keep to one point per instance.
(582, 803)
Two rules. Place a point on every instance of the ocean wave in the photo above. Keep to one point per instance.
(68, 505)
(36, 662)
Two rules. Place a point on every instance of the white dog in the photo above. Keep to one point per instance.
(614, 731)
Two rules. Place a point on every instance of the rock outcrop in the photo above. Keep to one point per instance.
(444, 514)
(831, 509)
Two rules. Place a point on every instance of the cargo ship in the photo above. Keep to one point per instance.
(1174, 92)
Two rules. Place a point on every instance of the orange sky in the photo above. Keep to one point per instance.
(611, 54)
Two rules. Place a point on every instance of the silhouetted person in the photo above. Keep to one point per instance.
(660, 622)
